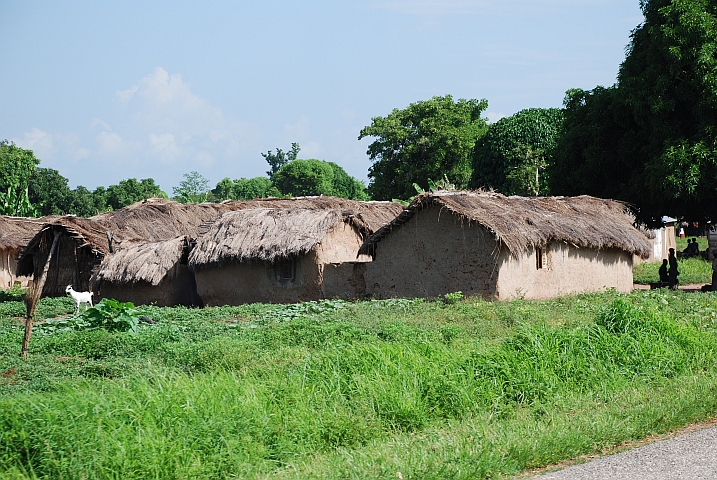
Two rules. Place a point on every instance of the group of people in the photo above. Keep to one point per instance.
(669, 275)
(692, 249)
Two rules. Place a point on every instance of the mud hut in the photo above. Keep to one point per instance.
(273, 255)
(82, 244)
(148, 273)
(486, 244)
(15, 233)
(85, 242)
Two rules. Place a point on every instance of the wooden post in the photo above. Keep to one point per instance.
(32, 297)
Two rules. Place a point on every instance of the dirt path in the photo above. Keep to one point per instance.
(692, 287)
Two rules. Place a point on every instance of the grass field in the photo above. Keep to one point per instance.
(456, 389)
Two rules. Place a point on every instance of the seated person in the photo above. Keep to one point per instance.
(663, 272)
(692, 248)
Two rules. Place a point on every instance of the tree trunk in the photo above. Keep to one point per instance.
(33, 297)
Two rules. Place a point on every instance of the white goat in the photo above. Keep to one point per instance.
(79, 298)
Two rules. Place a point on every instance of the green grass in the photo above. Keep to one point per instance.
(461, 389)
(682, 243)
(692, 270)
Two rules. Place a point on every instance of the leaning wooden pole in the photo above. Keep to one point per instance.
(32, 297)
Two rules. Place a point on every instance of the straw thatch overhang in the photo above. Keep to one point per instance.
(263, 234)
(375, 214)
(82, 245)
(147, 262)
(523, 222)
(16, 232)
(159, 219)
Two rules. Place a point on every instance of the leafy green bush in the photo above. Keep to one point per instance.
(113, 316)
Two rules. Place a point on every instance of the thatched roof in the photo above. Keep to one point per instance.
(375, 214)
(158, 219)
(85, 231)
(522, 222)
(267, 234)
(148, 262)
(16, 232)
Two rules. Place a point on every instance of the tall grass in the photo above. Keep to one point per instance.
(339, 390)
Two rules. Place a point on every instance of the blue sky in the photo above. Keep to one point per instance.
(103, 91)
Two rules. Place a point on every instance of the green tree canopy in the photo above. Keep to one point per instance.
(279, 159)
(515, 150)
(130, 191)
(193, 189)
(317, 177)
(86, 203)
(251, 188)
(243, 189)
(651, 139)
(17, 167)
(427, 139)
(50, 191)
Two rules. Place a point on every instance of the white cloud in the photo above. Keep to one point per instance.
(125, 96)
(38, 141)
(299, 130)
(165, 147)
(164, 101)
(47, 146)
(162, 112)
(101, 123)
(204, 159)
(311, 149)
(109, 142)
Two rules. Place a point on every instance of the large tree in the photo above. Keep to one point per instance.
(50, 191)
(193, 189)
(280, 158)
(317, 177)
(130, 191)
(17, 167)
(652, 138)
(513, 154)
(244, 189)
(426, 140)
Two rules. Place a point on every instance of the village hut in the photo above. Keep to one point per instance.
(15, 233)
(274, 255)
(82, 244)
(85, 242)
(148, 273)
(487, 244)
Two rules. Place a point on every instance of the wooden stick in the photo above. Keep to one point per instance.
(32, 300)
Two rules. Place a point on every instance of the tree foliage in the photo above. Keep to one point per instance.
(651, 139)
(17, 166)
(244, 189)
(130, 191)
(50, 191)
(193, 189)
(317, 177)
(279, 159)
(513, 154)
(427, 139)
